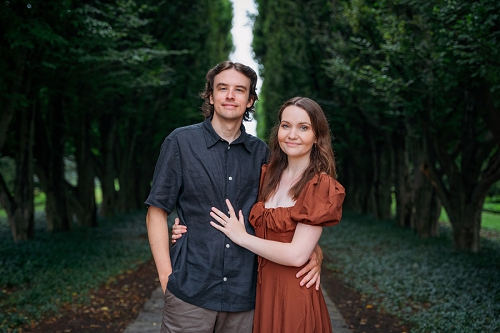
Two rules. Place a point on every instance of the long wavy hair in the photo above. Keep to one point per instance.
(321, 159)
(207, 108)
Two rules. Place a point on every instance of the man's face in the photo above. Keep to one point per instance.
(231, 93)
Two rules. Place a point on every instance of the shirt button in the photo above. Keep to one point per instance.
(225, 279)
(227, 245)
(230, 178)
(228, 147)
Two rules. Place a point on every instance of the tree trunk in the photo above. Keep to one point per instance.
(21, 218)
(368, 164)
(383, 178)
(107, 170)
(347, 176)
(357, 177)
(49, 154)
(427, 204)
(127, 195)
(19, 205)
(402, 188)
(466, 227)
(147, 166)
(108, 204)
(466, 186)
(15, 84)
(82, 202)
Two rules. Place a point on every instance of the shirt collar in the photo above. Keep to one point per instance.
(211, 136)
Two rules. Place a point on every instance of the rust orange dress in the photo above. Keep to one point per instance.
(282, 305)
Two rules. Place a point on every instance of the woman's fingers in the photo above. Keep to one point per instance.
(219, 217)
(230, 207)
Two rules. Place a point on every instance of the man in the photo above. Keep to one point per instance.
(209, 282)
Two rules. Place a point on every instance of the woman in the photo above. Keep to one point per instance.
(299, 195)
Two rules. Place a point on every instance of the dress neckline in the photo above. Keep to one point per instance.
(279, 207)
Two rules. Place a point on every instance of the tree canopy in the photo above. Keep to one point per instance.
(411, 90)
(98, 84)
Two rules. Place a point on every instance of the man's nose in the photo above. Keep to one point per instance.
(230, 93)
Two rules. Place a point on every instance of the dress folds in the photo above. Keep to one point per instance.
(282, 305)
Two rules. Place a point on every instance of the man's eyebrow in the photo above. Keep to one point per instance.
(225, 84)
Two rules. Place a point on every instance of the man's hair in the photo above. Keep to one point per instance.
(207, 108)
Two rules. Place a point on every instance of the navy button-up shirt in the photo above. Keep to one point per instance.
(198, 170)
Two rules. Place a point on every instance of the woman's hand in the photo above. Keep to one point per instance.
(177, 230)
(231, 226)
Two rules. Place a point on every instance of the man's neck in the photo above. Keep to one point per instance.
(228, 130)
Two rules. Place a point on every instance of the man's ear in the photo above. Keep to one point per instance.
(250, 102)
(211, 98)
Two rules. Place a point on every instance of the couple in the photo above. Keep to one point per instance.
(209, 275)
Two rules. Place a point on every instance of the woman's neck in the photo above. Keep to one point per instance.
(295, 168)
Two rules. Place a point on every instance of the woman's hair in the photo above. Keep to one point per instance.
(322, 159)
(207, 108)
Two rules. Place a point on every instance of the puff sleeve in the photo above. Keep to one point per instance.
(320, 202)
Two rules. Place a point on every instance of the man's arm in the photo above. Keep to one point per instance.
(312, 269)
(156, 222)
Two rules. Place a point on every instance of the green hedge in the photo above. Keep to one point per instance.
(38, 276)
(423, 281)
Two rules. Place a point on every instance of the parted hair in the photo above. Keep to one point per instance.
(322, 159)
(207, 108)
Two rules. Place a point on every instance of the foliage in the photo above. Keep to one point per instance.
(424, 282)
(288, 44)
(39, 276)
(106, 82)
(411, 91)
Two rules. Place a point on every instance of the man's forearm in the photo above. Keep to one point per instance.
(156, 222)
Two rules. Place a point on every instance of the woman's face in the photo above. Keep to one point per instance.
(295, 134)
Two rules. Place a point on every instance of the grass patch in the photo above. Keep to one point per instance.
(493, 206)
(38, 276)
(423, 281)
(489, 220)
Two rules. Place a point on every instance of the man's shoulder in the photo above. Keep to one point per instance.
(183, 132)
(186, 130)
(253, 140)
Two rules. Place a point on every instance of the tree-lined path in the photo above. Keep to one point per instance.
(89, 90)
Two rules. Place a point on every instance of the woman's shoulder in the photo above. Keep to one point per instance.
(320, 202)
(326, 181)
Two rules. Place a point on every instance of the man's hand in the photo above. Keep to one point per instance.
(163, 283)
(312, 270)
(177, 230)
